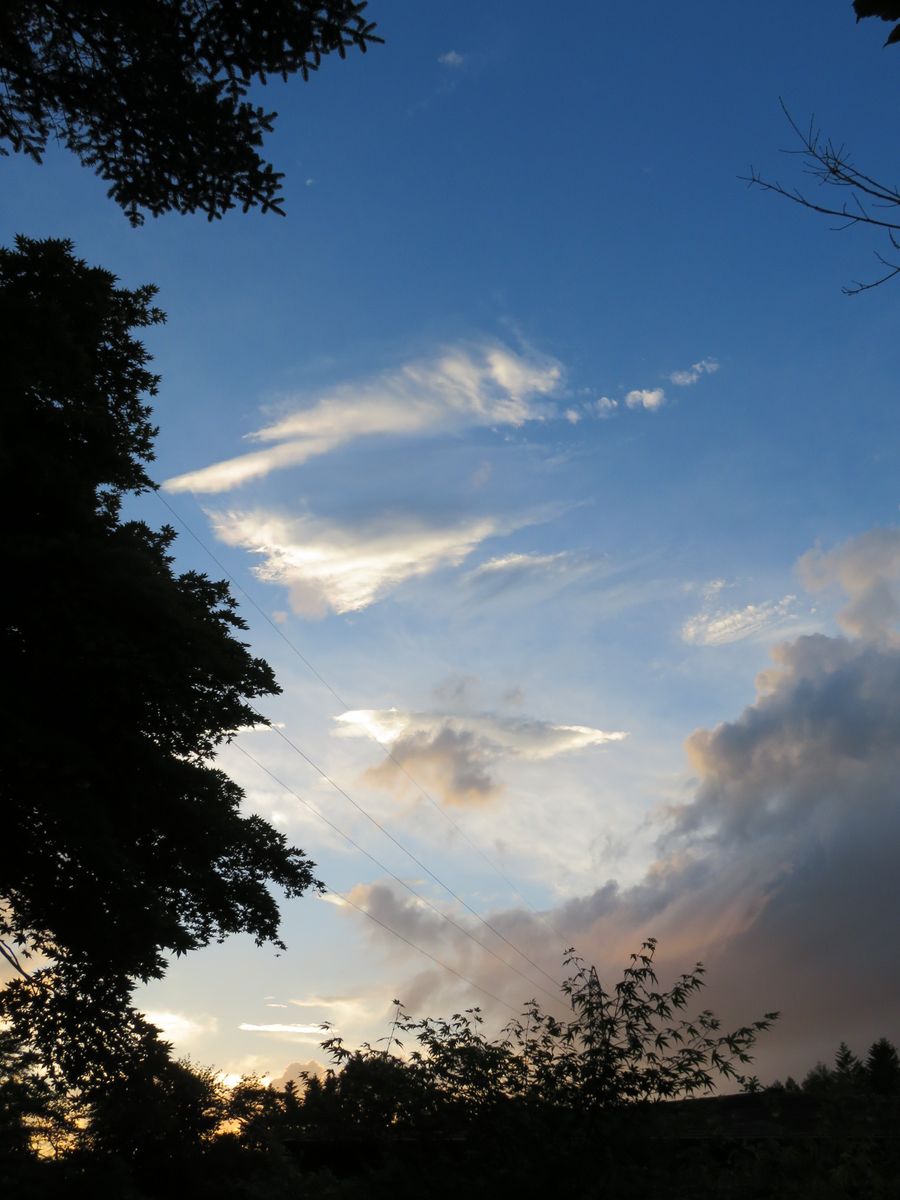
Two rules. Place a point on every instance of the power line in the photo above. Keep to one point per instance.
(397, 879)
(391, 756)
(420, 949)
(413, 857)
(347, 707)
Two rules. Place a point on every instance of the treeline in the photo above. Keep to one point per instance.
(878, 1074)
(439, 1106)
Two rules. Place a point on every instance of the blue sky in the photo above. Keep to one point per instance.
(544, 407)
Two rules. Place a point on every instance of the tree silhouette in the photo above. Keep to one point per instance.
(869, 201)
(622, 1048)
(153, 94)
(887, 10)
(122, 842)
(883, 1068)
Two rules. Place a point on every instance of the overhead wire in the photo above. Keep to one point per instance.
(397, 879)
(453, 971)
(488, 925)
(385, 746)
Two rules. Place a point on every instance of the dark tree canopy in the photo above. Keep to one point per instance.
(887, 10)
(152, 93)
(122, 841)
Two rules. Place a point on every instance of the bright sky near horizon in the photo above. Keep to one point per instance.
(562, 458)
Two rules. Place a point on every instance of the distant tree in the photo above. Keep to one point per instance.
(869, 201)
(883, 1068)
(159, 1112)
(153, 93)
(847, 1067)
(818, 1080)
(122, 842)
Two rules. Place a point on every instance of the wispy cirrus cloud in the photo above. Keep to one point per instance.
(331, 567)
(462, 388)
(716, 626)
(706, 366)
(455, 752)
(281, 1027)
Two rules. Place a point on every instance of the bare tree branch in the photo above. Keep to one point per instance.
(10, 955)
(831, 166)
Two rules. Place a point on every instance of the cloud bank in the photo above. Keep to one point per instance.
(780, 871)
(867, 569)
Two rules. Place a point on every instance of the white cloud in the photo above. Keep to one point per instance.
(180, 1028)
(278, 1027)
(451, 59)
(457, 390)
(706, 366)
(455, 753)
(345, 568)
(602, 407)
(517, 563)
(720, 626)
(779, 872)
(650, 399)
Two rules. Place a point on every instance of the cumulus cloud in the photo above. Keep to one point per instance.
(329, 567)
(706, 366)
(651, 399)
(455, 753)
(780, 869)
(719, 626)
(867, 568)
(452, 59)
(463, 388)
(602, 407)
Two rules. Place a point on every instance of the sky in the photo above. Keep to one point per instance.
(557, 479)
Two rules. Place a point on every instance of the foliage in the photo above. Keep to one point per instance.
(624, 1047)
(878, 1075)
(882, 1068)
(160, 1110)
(887, 10)
(122, 841)
(153, 93)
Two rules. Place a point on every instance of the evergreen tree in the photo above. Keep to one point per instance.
(883, 1068)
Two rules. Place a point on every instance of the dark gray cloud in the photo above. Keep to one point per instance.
(781, 873)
